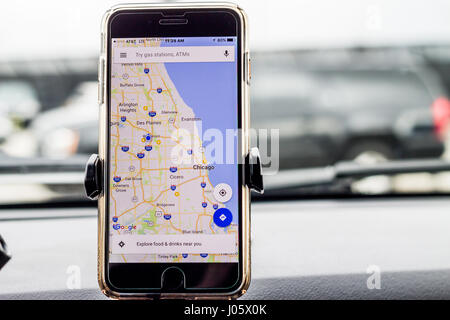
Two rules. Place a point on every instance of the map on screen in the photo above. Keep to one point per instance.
(173, 191)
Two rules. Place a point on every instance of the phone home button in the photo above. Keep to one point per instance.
(172, 279)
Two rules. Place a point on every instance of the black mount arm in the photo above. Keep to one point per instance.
(4, 253)
(253, 171)
(93, 177)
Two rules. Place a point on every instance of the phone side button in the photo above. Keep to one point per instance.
(100, 94)
(101, 77)
(247, 68)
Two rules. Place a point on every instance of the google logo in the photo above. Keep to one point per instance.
(119, 226)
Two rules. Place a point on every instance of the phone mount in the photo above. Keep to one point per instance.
(173, 278)
(5, 255)
(93, 175)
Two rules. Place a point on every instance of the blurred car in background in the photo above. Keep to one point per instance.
(365, 109)
(18, 100)
(358, 105)
(18, 105)
(71, 128)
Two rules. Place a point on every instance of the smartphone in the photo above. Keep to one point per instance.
(174, 117)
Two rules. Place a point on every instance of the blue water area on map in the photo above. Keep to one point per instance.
(210, 89)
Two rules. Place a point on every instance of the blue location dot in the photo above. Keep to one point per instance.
(204, 204)
(203, 184)
(215, 206)
(123, 118)
(148, 148)
(167, 216)
(148, 137)
(117, 179)
(125, 148)
(159, 90)
(173, 187)
(152, 113)
(203, 255)
(115, 219)
(185, 255)
(173, 169)
(140, 155)
(223, 217)
(146, 70)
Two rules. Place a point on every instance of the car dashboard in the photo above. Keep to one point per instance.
(383, 248)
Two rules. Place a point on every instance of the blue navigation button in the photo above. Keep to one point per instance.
(223, 217)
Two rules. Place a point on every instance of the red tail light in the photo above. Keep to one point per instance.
(441, 115)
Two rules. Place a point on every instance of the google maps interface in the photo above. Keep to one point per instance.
(173, 189)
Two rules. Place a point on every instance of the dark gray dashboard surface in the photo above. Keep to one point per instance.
(300, 250)
(432, 285)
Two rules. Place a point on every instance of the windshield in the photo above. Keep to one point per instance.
(364, 84)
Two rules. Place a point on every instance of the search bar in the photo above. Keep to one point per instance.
(174, 54)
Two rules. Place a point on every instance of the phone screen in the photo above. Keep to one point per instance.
(174, 184)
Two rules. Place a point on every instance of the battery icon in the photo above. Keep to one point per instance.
(229, 39)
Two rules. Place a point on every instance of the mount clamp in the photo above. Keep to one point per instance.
(93, 174)
(5, 255)
(93, 177)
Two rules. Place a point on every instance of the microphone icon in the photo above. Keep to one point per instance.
(226, 54)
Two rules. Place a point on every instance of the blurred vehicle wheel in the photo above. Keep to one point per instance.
(369, 152)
